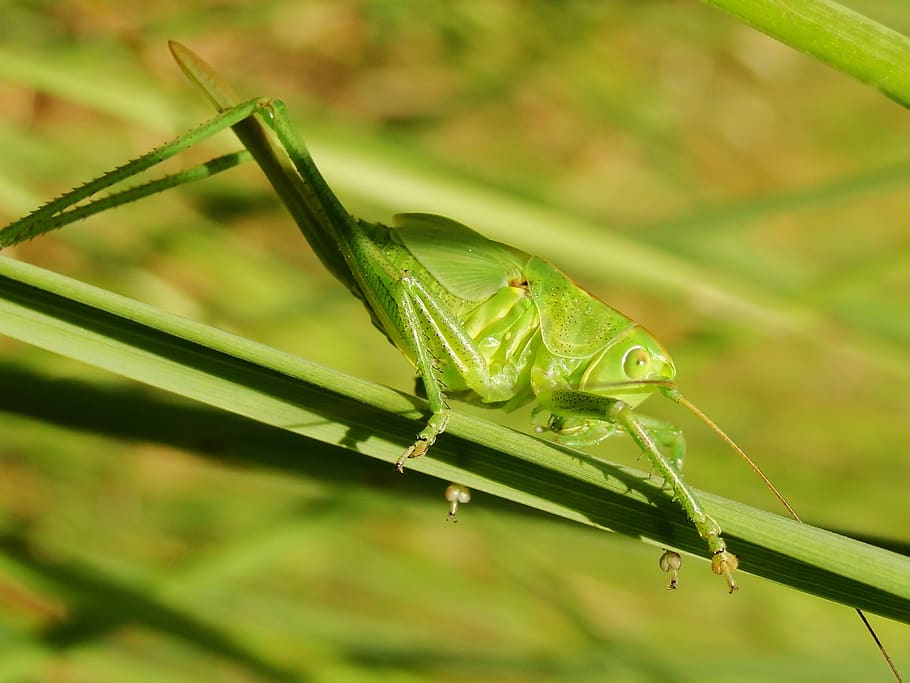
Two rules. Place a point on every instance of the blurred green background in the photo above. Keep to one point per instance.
(145, 538)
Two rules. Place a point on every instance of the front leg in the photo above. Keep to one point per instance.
(652, 437)
(583, 431)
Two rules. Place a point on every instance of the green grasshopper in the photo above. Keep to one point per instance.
(481, 321)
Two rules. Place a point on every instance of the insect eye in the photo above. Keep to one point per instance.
(637, 363)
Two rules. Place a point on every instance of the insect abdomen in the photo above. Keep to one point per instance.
(505, 329)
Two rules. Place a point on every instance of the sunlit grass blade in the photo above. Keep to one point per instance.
(836, 35)
(241, 376)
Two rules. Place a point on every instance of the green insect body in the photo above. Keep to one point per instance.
(527, 329)
(504, 328)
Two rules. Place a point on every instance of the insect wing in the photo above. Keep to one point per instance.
(465, 262)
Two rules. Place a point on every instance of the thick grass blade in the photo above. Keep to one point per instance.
(237, 375)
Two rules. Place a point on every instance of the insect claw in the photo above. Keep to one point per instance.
(402, 459)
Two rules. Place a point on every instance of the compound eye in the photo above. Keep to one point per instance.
(637, 363)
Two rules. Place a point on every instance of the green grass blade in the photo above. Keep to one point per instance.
(836, 35)
(238, 375)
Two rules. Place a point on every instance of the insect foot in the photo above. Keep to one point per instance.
(670, 562)
(456, 494)
(425, 439)
(415, 450)
(724, 563)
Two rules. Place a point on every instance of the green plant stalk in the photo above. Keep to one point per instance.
(835, 35)
(137, 341)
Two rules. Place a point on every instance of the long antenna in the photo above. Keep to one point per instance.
(682, 400)
(671, 392)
